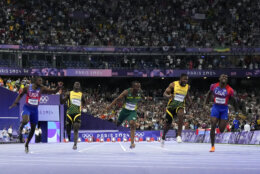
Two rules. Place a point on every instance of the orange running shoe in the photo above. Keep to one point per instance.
(212, 149)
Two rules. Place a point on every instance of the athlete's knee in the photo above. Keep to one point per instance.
(132, 124)
(33, 125)
(222, 129)
(25, 119)
(167, 125)
(25, 122)
(180, 112)
(69, 123)
(213, 127)
(76, 126)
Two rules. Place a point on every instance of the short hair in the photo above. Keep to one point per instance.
(133, 82)
(223, 75)
(183, 75)
(34, 79)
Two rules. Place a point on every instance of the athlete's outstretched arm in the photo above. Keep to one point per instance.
(120, 97)
(145, 97)
(188, 98)
(65, 98)
(167, 92)
(233, 99)
(45, 90)
(84, 100)
(18, 98)
(207, 97)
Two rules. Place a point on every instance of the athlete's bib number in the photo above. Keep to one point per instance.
(220, 100)
(130, 106)
(76, 102)
(179, 97)
(33, 101)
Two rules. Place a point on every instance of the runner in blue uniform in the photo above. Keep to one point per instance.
(30, 109)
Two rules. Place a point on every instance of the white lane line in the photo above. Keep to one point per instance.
(92, 147)
(124, 149)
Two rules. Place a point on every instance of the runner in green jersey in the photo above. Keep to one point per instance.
(132, 96)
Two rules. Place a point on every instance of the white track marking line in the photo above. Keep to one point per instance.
(92, 147)
(124, 149)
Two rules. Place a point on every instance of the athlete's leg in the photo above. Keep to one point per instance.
(122, 116)
(68, 129)
(180, 113)
(223, 120)
(214, 121)
(168, 122)
(76, 127)
(222, 125)
(33, 126)
(132, 134)
(215, 117)
(68, 125)
(25, 120)
(166, 128)
(34, 122)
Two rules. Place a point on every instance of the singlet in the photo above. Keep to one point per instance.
(179, 95)
(131, 101)
(74, 103)
(33, 96)
(221, 95)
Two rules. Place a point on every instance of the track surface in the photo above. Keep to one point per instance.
(117, 158)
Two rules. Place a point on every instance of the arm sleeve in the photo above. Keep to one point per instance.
(212, 86)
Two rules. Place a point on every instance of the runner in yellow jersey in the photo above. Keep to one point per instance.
(177, 93)
(75, 100)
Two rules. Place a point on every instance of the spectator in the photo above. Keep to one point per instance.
(130, 23)
(10, 132)
(36, 135)
(1, 82)
(247, 127)
(4, 134)
(236, 124)
(40, 134)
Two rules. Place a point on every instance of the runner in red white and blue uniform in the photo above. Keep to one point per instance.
(222, 93)
(30, 109)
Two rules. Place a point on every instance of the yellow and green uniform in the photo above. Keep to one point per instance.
(74, 106)
(178, 100)
(130, 107)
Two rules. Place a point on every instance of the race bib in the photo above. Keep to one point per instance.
(220, 100)
(76, 102)
(130, 106)
(179, 97)
(33, 101)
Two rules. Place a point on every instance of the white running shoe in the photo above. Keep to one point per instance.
(179, 140)
(162, 143)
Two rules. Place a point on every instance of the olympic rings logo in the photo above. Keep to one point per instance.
(139, 134)
(85, 136)
(44, 99)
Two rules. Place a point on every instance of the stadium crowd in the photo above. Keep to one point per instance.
(140, 62)
(160, 62)
(152, 112)
(192, 23)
